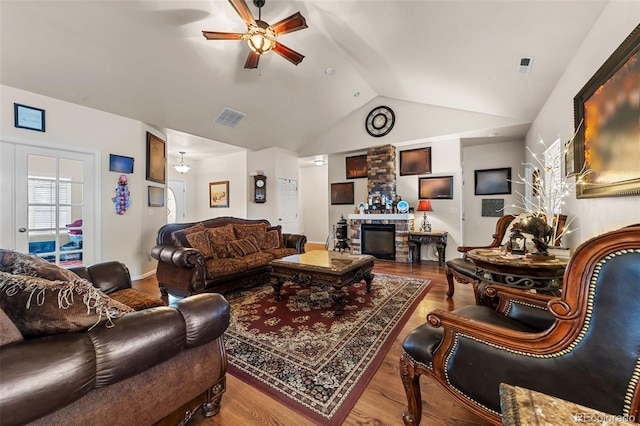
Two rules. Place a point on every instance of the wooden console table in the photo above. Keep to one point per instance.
(416, 239)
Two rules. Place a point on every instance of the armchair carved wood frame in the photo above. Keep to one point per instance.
(589, 353)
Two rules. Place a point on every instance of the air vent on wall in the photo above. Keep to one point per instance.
(524, 67)
(229, 117)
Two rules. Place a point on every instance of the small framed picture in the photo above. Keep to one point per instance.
(356, 167)
(156, 158)
(27, 117)
(570, 162)
(156, 196)
(219, 194)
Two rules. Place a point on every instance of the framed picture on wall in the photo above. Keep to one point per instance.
(435, 188)
(219, 194)
(27, 117)
(415, 161)
(492, 181)
(356, 166)
(155, 196)
(606, 116)
(342, 193)
(156, 158)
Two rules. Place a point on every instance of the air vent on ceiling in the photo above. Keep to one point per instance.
(524, 67)
(229, 117)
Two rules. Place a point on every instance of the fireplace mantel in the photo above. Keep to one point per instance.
(382, 216)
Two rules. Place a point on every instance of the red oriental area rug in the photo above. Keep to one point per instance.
(297, 351)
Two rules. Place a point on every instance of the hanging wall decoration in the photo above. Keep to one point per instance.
(121, 200)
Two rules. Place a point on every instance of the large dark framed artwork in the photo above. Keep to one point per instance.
(435, 188)
(607, 119)
(356, 166)
(342, 193)
(156, 158)
(492, 181)
(415, 161)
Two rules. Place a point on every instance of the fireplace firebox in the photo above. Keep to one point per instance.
(378, 240)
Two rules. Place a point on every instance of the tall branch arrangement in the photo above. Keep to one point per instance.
(551, 190)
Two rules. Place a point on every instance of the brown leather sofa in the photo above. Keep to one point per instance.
(184, 270)
(588, 354)
(156, 364)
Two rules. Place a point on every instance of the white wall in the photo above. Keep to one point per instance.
(127, 238)
(275, 163)
(232, 168)
(478, 229)
(594, 216)
(314, 203)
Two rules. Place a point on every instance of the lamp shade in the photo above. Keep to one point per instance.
(424, 206)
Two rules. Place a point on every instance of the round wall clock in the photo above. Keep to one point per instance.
(380, 121)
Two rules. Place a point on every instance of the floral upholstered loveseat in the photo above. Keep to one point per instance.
(220, 254)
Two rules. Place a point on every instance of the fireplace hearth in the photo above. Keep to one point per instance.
(378, 240)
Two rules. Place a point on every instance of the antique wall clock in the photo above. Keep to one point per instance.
(380, 121)
(260, 188)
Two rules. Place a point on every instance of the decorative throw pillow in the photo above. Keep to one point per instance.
(244, 246)
(38, 306)
(272, 239)
(258, 230)
(200, 242)
(219, 238)
(278, 229)
(25, 264)
(179, 238)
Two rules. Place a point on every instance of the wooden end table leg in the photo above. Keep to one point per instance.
(276, 283)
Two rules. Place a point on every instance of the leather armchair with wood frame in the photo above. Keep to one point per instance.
(589, 354)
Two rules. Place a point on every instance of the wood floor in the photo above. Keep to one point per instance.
(383, 401)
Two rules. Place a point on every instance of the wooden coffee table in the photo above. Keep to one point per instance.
(323, 268)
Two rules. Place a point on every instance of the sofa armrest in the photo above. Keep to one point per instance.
(206, 316)
(296, 241)
(177, 256)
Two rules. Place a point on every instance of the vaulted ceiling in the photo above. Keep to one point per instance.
(148, 60)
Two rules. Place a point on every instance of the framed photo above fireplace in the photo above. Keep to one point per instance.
(492, 181)
(435, 188)
(342, 193)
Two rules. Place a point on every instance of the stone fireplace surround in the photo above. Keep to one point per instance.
(403, 222)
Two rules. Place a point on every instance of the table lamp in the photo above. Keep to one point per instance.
(425, 206)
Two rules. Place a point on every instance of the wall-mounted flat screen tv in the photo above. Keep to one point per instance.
(120, 164)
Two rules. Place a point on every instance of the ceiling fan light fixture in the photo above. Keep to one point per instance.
(182, 168)
(260, 38)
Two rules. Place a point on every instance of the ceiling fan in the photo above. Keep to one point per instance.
(260, 36)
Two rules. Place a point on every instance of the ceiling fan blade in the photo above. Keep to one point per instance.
(252, 60)
(243, 10)
(213, 35)
(293, 23)
(290, 55)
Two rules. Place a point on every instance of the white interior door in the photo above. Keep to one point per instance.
(288, 205)
(176, 201)
(55, 205)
